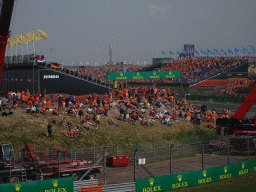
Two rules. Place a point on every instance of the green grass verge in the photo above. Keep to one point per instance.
(22, 127)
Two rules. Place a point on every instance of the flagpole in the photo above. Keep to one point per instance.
(11, 55)
(34, 44)
(7, 48)
(34, 64)
(27, 43)
(21, 49)
(16, 47)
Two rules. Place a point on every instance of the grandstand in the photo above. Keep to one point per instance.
(197, 71)
(19, 77)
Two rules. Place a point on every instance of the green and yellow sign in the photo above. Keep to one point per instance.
(187, 179)
(144, 75)
(51, 185)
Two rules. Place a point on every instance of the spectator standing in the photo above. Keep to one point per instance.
(19, 98)
(30, 106)
(67, 102)
(198, 117)
(48, 104)
(106, 108)
(70, 97)
(10, 100)
(121, 113)
(51, 96)
(74, 99)
(38, 109)
(40, 95)
(49, 128)
(3, 103)
(97, 119)
(60, 102)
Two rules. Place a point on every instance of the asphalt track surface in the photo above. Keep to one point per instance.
(126, 174)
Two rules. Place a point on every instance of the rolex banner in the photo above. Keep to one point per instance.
(51, 185)
(192, 178)
(144, 75)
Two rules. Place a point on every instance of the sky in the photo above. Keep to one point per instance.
(81, 31)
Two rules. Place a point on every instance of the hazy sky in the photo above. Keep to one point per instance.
(138, 30)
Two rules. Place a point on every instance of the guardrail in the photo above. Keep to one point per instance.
(122, 187)
(77, 185)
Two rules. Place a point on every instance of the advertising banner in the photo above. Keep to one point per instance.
(188, 179)
(144, 75)
(51, 185)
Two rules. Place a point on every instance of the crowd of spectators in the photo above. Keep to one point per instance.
(143, 104)
(233, 86)
(193, 70)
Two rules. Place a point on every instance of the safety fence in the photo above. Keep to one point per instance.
(158, 151)
(193, 178)
(199, 155)
(152, 159)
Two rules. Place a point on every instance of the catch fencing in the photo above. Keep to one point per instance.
(161, 157)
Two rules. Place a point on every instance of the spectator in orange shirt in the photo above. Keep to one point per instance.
(112, 122)
(109, 101)
(210, 125)
(188, 115)
(26, 100)
(42, 109)
(48, 104)
(125, 92)
(106, 108)
(30, 106)
(55, 111)
(121, 95)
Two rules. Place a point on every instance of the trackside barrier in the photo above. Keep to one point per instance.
(188, 179)
(122, 187)
(63, 184)
(84, 183)
(92, 189)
